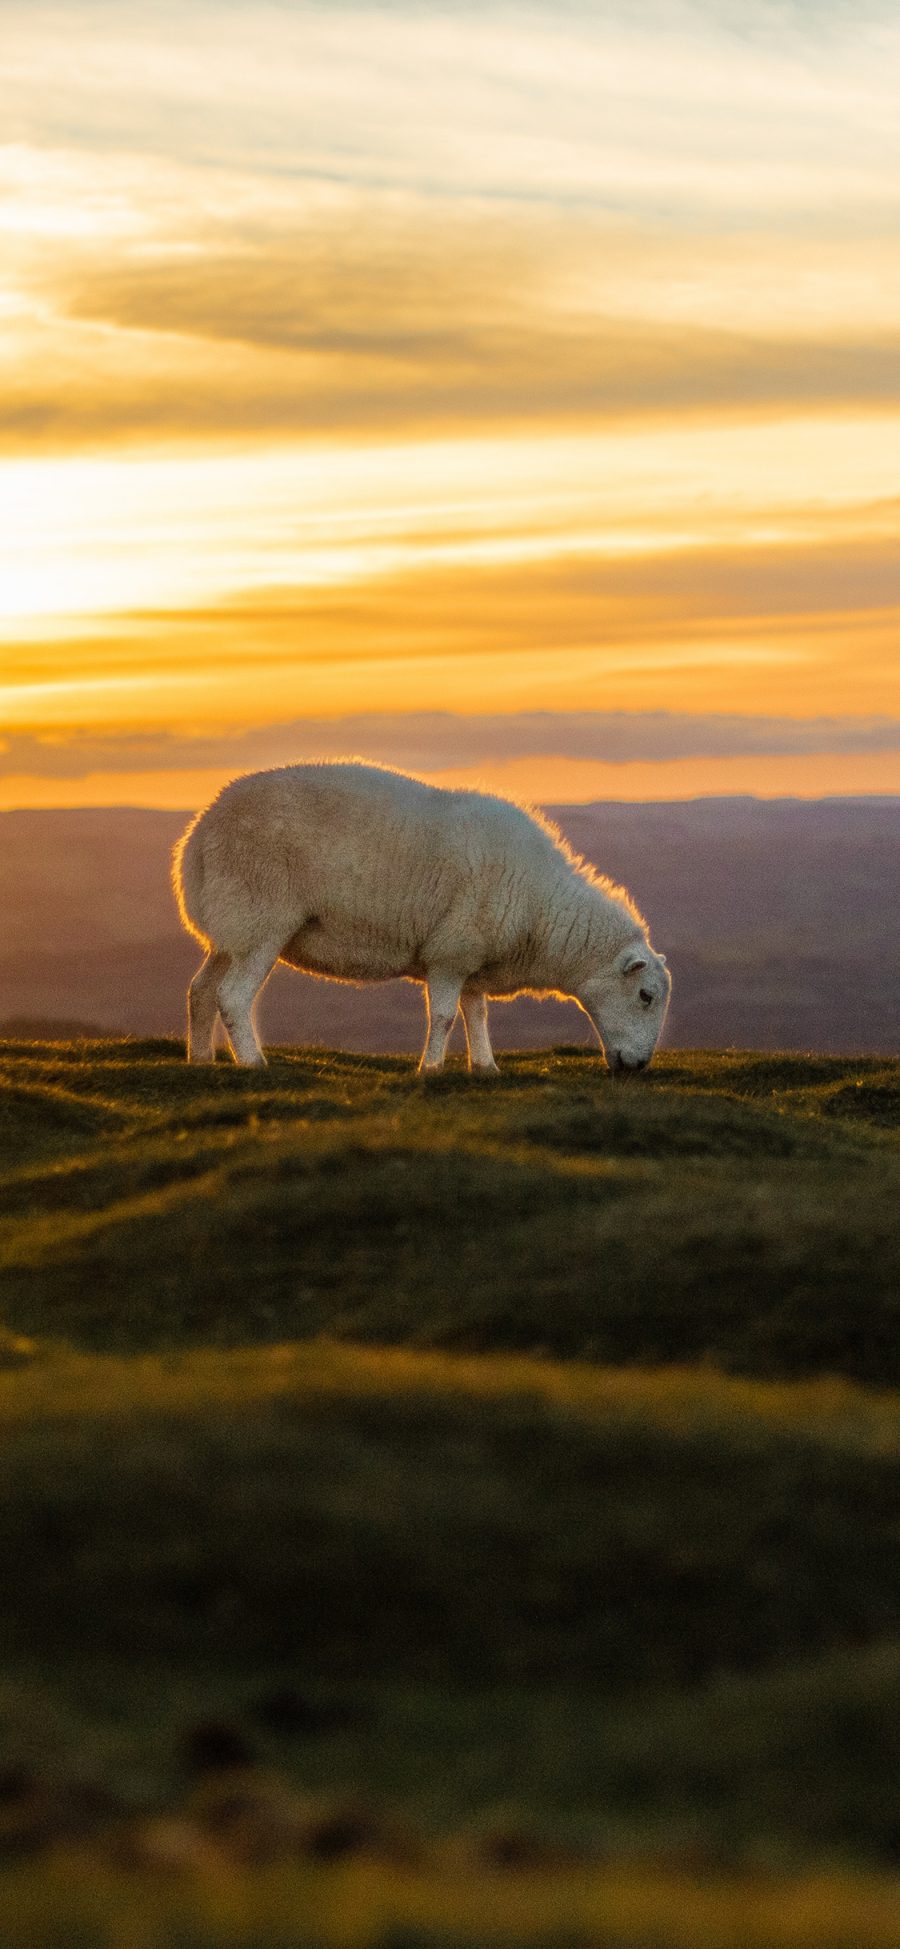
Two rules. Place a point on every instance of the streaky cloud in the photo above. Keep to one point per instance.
(394, 384)
(438, 740)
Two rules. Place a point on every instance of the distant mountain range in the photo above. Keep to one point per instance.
(780, 919)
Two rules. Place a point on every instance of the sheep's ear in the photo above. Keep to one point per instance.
(634, 961)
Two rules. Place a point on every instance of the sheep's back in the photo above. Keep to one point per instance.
(370, 850)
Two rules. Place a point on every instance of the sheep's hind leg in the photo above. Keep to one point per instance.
(245, 976)
(203, 1008)
(475, 1017)
(442, 992)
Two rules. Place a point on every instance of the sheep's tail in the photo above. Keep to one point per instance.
(188, 878)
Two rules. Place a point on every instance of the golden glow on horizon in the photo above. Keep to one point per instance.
(546, 781)
(562, 391)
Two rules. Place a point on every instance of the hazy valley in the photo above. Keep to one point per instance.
(780, 920)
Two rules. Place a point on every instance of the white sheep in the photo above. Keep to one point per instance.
(362, 874)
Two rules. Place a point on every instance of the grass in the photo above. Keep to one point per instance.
(445, 1514)
(726, 1216)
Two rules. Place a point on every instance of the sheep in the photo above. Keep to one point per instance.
(363, 873)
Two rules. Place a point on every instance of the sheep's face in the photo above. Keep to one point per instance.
(627, 1004)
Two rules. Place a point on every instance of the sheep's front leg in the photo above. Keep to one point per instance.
(442, 992)
(475, 1017)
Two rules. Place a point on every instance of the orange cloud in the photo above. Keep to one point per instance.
(274, 345)
(809, 628)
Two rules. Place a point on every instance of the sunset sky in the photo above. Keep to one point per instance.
(520, 384)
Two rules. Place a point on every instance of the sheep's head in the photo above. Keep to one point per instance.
(627, 1003)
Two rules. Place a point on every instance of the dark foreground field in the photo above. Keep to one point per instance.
(449, 1514)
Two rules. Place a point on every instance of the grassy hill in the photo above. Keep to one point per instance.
(439, 1515)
